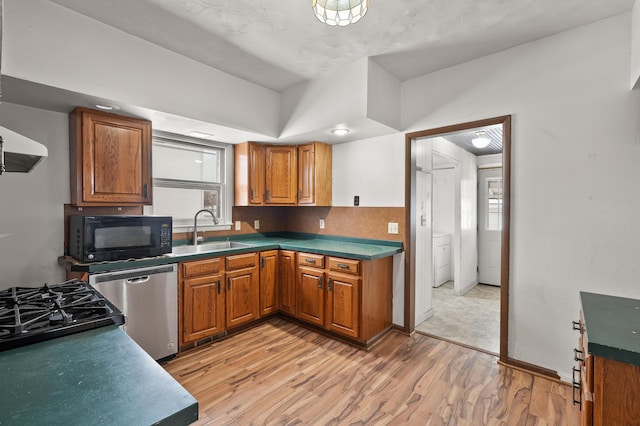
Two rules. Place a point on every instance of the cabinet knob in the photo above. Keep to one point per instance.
(576, 325)
(330, 284)
(578, 355)
(320, 282)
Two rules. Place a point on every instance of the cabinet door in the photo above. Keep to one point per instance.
(287, 270)
(281, 175)
(249, 174)
(314, 174)
(306, 174)
(343, 304)
(203, 307)
(112, 159)
(243, 295)
(310, 291)
(268, 289)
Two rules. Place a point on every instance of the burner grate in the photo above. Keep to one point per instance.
(29, 314)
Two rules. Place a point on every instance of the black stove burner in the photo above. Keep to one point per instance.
(29, 315)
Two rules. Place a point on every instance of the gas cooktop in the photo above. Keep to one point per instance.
(34, 314)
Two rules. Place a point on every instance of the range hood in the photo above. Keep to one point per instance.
(18, 153)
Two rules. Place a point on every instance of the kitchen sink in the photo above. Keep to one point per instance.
(207, 247)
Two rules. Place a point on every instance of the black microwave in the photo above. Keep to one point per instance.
(108, 238)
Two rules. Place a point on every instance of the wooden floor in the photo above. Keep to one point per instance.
(282, 374)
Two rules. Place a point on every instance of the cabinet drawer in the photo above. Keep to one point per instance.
(312, 260)
(348, 266)
(202, 267)
(240, 261)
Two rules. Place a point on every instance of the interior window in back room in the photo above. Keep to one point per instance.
(190, 174)
(494, 207)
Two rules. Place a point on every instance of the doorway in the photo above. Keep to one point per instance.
(466, 275)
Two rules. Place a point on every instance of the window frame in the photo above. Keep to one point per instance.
(225, 186)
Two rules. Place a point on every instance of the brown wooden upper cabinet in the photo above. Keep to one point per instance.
(281, 168)
(314, 174)
(249, 174)
(110, 159)
(283, 174)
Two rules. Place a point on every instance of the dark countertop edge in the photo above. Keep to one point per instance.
(395, 247)
(615, 354)
(599, 349)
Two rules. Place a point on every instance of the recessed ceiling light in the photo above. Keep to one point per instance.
(105, 107)
(340, 132)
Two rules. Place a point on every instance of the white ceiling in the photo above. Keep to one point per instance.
(280, 43)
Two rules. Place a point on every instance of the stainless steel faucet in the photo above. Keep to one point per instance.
(195, 224)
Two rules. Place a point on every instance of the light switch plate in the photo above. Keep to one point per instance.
(238, 225)
(256, 224)
(392, 228)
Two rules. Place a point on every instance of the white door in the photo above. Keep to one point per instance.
(424, 260)
(489, 225)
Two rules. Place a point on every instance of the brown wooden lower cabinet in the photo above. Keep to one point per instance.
(269, 294)
(608, 390)
(201, 299)
(343, 304)
(243, 291)
(287, 275)
(310, 295)
(348, 297)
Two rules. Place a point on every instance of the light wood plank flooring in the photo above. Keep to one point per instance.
(279, 373)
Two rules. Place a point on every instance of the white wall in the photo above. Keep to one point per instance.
(444, 201)
(371, 168)
(635, 46)
(468, 238)
(52, 45)
(575, 156)
(31, 204)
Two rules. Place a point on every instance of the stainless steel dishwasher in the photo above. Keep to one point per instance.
(148, 297)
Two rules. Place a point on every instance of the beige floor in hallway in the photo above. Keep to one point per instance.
(472, 319)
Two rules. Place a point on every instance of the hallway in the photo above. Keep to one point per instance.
(472, 319)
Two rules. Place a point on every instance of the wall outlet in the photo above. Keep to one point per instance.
(393, 228)
(238, 225)
(256, 224)
(321, 223)
(356, 200)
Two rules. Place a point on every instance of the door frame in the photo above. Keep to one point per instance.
(410, 221)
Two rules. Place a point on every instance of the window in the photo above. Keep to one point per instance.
(494, 207)
(191, 174)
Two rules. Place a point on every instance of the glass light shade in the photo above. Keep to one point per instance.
(340, 12)
(481, 142)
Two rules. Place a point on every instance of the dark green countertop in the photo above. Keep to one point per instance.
(94, 377)
(612, 327)
(353, 248)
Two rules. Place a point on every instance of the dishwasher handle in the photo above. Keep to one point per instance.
(138, 280)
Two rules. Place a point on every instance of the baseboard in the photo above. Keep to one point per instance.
(532, 368)
(424, 316)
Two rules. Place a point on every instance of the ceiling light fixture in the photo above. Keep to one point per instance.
(106, 107)
(481, 140)
(340, 12)
(340, 132)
